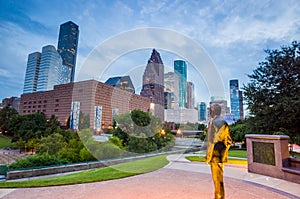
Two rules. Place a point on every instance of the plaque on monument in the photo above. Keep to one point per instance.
(263, 153)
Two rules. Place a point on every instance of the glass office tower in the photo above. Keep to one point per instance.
(32, 71)
(67, 48)
(51, 68)
(171, 86)
(202, 111)
(181, 71)
(234, 99)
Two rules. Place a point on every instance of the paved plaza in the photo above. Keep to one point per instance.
(180, 179)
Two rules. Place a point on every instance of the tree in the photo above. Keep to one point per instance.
(273, 94)
(51, 144)
(239, 129)
(140, 132)
(140, 118)
(5, 115)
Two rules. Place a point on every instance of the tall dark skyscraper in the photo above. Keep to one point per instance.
(153, 83)
(67, 48)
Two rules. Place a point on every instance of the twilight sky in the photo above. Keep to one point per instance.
(233, 33)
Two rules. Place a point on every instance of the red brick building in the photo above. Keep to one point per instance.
(90, 96)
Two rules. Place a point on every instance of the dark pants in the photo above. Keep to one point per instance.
(217, 171)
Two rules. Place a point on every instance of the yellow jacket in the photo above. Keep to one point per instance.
(217, 152)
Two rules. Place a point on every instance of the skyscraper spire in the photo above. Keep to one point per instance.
(153, 83)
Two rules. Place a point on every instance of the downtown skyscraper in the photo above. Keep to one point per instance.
(171, 90)
(51, 68)
(190, 95)
(180, 69)
(236, 100)
(32, 72)
(153, 84)
(67, 48)
(202, 111)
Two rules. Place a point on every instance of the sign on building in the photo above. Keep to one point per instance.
(74, 116)
(98, 118)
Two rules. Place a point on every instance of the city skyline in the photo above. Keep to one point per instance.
(234, 35)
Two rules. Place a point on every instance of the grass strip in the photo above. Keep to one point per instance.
(237, 153)
(5, 142)
(95, 175)
(230, 160)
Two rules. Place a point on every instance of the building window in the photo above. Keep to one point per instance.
(56, 110)
(56, 105)
(45, 101)
(57, 100)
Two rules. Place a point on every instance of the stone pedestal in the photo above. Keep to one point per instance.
(267, 153)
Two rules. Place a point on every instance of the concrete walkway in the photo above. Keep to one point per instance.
(180, 179)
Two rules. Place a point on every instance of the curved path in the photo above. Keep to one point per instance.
(180, 179)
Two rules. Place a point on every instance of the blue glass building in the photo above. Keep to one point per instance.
(234, 99)
(32, 71)
(51, 68)
(181, 70)
(202, 111)
(67, 48)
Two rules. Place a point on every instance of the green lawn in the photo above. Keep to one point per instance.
(231, 153)
(237, 153)
(230, 160)
(5, 142)
(101, 174)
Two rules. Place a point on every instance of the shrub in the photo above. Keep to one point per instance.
(37, 161)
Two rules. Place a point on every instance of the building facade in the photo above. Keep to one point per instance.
(12, 102)
(234, 98)
(180, 70)
(181, 115)
(123, 82)
(153, 84)
(99, 101)
(241, 104)
(32, 72)
(190, 95)
(171, 86)
(67, 48)
(51, 68)
(202, 111)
